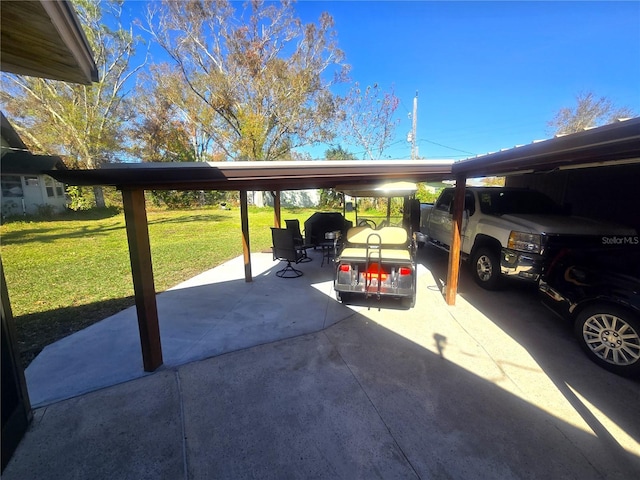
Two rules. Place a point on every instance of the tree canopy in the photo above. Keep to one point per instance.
(366, 118)
(338, 153)
(237, 82)
(589, 111)
(172, 123)
(264, 75)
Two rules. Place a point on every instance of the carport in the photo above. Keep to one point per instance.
(133, 179)
(613, 145)
(551, 163)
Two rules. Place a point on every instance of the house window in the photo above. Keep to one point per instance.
(32, 181)
(50, 186)
(11, 186)
(53, 187)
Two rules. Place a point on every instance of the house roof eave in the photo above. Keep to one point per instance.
(45, 39)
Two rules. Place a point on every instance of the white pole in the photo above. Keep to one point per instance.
(414, 127)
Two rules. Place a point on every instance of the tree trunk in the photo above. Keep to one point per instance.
(99, 197)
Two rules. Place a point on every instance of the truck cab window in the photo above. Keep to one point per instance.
(444, 202)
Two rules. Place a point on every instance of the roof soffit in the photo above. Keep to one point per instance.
(44, 39)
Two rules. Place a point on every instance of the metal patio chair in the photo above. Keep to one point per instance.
(298, 239)
(284, 249)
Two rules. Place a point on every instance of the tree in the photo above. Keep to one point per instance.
(589, 111)
(171, 125)
(264, 75)
(338, 153)
(366, 119)
(82, 123)
(493, 181)
(328, 196)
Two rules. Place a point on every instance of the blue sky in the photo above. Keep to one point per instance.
(489, 75)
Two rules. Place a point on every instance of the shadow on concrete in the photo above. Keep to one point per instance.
(353, 401)
(450, 422)
(35, 329)
(275, 379)
(517, 311)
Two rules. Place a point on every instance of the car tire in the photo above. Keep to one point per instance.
(485, 268)
(610, 336)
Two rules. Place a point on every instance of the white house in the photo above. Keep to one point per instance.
(288, 198)
(25, 189)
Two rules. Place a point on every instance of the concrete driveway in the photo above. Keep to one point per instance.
(494, 387)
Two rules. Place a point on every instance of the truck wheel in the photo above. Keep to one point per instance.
(610, 336)
(485, 268)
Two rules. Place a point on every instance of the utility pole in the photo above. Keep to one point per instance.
(414, 127)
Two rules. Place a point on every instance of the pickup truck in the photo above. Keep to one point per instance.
(512, 232)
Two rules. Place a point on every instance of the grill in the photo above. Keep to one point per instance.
(322, 222)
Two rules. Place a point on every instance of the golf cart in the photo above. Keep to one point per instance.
(377, 257)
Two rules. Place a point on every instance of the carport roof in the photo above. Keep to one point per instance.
(276, 175)
(611, 144)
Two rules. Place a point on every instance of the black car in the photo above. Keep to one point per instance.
(599, 290)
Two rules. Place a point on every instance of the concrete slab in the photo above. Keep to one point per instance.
(133, 430)
(291, 409)
(212, 313)
(453, 411)
(490, 388)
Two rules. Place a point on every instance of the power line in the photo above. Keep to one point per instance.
(446, 146)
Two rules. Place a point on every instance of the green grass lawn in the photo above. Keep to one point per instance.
(66, 273)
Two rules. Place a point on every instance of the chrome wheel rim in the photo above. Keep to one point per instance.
(484, 268)
(611, 339)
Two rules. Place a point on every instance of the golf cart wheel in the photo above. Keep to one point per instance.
(343, 297)
(485, 268)
(610, 336)
(409, 302)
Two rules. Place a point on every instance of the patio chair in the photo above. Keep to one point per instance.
(298, 239)
(284, 249)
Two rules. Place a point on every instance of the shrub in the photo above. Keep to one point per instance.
(45, 210)
(79, 198)
(176, 199)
